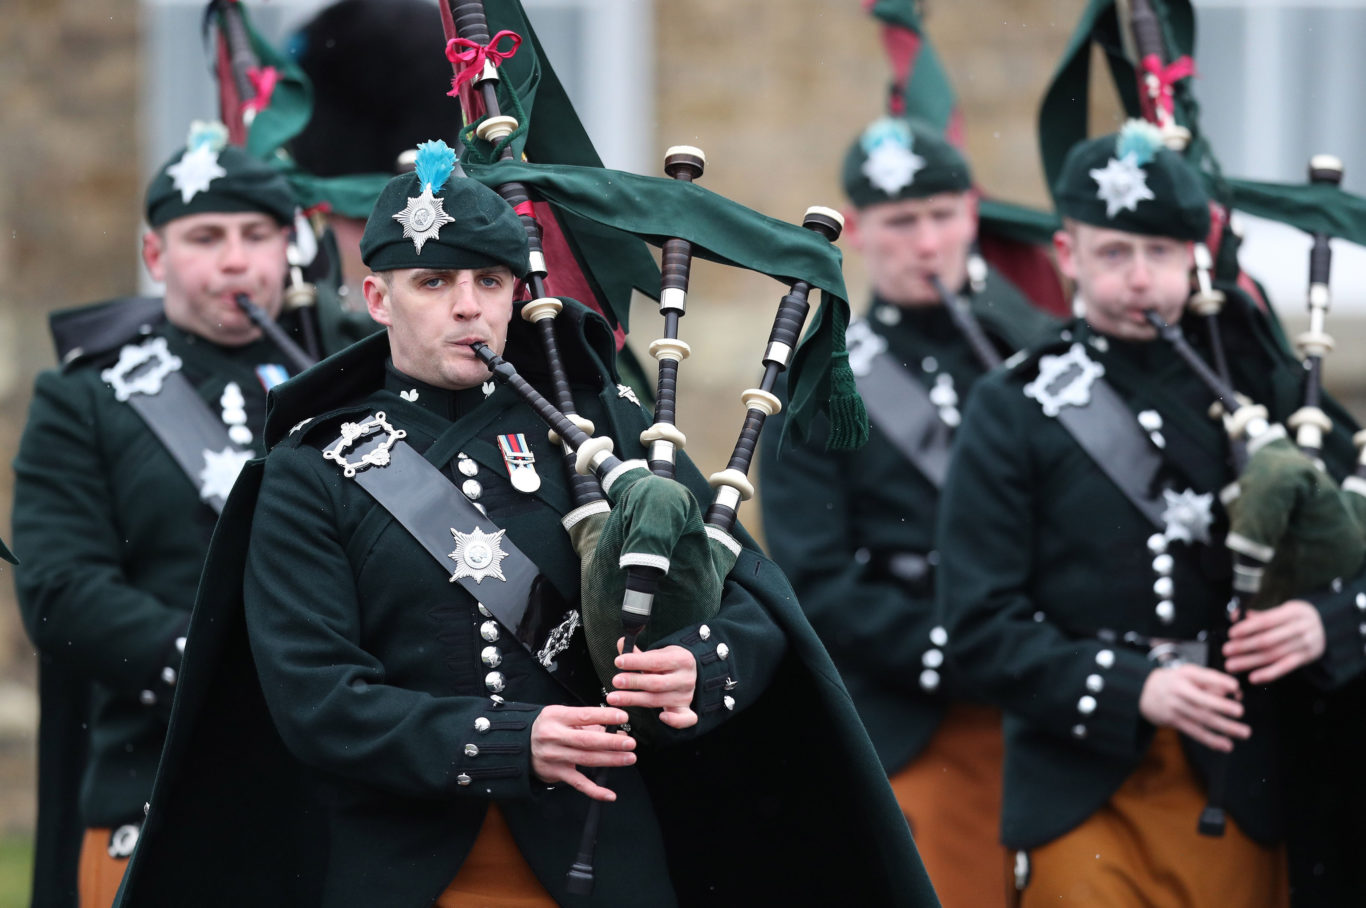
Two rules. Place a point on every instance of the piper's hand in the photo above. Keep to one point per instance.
(663, 679)
(563, 738)
(1275, 642)
(1198, 702)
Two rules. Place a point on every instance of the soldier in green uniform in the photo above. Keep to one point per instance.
(855, 531)
(130, 449)
(1084, 580)
(411, 626)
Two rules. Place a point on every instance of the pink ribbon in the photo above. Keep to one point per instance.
(1166, 77)
(263, 80)
(469, 56)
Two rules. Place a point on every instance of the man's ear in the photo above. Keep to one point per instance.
(851, 234)
(154, 255)
(376, 290)
(1065, 247)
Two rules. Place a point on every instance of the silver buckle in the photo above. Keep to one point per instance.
(158, 363)
(353, 432)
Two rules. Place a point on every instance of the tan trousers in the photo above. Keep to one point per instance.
(495, 873)
(1141, 849)
(98, 875)
(951, 796)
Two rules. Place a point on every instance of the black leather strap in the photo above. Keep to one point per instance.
(185, 426)
(1109, 433)
(902, 410)
(426, 504)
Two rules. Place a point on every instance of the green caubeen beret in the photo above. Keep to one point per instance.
(896, 158)
(432, 219)
(1130, 181)
(208, 175)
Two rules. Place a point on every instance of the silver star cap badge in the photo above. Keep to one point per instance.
(478, 555)
(891, 166)
(195, 170)
(1188, 515)
(1121, 185)
(424, 217)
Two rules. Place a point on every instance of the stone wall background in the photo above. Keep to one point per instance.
(773, 97)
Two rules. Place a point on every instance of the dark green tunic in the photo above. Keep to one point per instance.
(1046, 566)
(834, 522)
(360, 787)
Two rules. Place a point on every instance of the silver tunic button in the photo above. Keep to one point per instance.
(1361, 628)
(728, 702)
(168, 676)
(495, 681)
(704, 632)
(489, 631)
(147, 698)
(929, 679)
(933, 658)
(1163, 564)
(722, 651)
(471, 750)
(466, 466)
(1361, 601)
(491, 656)
(1150, 420)
(463, 780)
(240, 435)
(1157, 543)
(939, 636)
(1086, 705)
(929, 364)
(496, 700)
(1095, 683)
(1078, 731)
(1166, 611)
(1164, 587)
(1105, 658)
(472, 489)
(484, 610)
(482, 725)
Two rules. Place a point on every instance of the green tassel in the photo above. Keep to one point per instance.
(848, 418)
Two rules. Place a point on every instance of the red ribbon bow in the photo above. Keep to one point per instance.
(1165, 77)
(470, 60)
(263, 80)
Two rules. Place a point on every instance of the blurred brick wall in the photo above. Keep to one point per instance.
(68, 219)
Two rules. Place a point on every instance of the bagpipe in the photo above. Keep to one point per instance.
(651, 562)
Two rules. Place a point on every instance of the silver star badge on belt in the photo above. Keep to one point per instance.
(478, 555)
(1188, 515)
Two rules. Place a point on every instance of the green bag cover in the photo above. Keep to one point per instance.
(1287, 503)
(724, 231)
(656, 518)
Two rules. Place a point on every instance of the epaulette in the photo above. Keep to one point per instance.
(1025, 361)
(90, 332)
(319, 431)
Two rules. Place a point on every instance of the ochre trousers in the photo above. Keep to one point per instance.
(951, 796)
(98, 875)
(495, 873)
(1142, 849)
